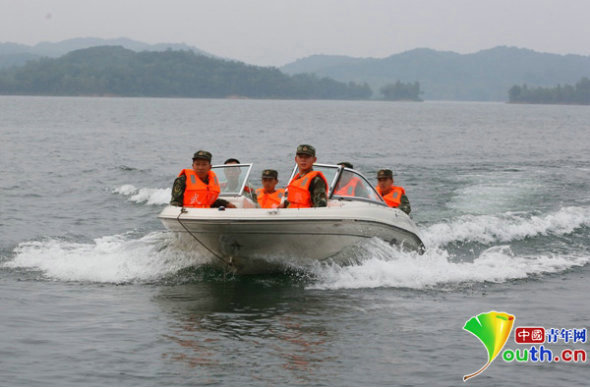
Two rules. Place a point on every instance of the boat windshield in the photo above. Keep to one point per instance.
(353, 185)
(232, 178)
(345, 183)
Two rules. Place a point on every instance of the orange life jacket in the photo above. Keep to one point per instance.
(394, 197)
(198, 193)
(269, 200)
(299, 195)
(349, 189)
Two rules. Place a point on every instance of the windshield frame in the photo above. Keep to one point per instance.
(247, 176)
(348, 198)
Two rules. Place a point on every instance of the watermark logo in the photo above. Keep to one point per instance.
(540, 353)
(492, 329)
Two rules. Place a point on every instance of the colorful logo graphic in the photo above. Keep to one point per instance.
(492, 329)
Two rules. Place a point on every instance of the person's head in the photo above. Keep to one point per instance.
(385, 179)
(305, 157)
(232, 174)
(270, 178)
(346, 164)
(202, 163)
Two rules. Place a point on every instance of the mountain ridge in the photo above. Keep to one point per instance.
(17, 54)
(485, 75)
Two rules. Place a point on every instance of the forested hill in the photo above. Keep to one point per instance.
(116, 71)
(483, 76)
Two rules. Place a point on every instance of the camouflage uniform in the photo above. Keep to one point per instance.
(405, 204)
(317, 189)
(178, 191)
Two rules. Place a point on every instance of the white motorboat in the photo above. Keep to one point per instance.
(249, 239)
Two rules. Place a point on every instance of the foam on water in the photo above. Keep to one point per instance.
(110, 259)
(382, 265)
(505, 227)
(148, 196)
(387, 266)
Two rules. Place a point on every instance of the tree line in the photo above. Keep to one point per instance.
(116, 71)
(402, 91)
(566, 94)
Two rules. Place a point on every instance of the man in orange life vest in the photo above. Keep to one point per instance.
(308, 188)
(268, 196)
(198, 187)
(394, 196)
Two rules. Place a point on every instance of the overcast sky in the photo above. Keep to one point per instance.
(276, 32)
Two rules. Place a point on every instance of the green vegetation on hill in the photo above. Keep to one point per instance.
(116, 71)
(400, 91)
(567, 94)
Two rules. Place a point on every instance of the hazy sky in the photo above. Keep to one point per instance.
(276, 32)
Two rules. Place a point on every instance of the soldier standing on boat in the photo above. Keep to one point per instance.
(308, 188)
(394, 196)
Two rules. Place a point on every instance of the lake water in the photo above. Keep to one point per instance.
(94, 290)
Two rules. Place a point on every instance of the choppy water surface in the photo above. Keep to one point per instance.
(94, 291)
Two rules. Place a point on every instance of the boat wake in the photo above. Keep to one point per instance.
(386, 266)
(447, 263)
(144, 195)
(440, 266)
(510, 226)
(110, 259)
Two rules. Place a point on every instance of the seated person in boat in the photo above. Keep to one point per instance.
(198, 187)
(394, 196)
(269, 197)
(349, 185)
(308, 188)
(233, 180)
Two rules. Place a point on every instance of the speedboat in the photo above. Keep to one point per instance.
(250, 240)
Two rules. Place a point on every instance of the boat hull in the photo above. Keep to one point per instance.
(263, 240)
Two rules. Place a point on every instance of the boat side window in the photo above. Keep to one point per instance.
(353, 185)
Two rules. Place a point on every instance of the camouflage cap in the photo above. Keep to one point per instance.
(270, 174)
(202, 155)
(306, 149)
(346, 164)
(385, 173)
